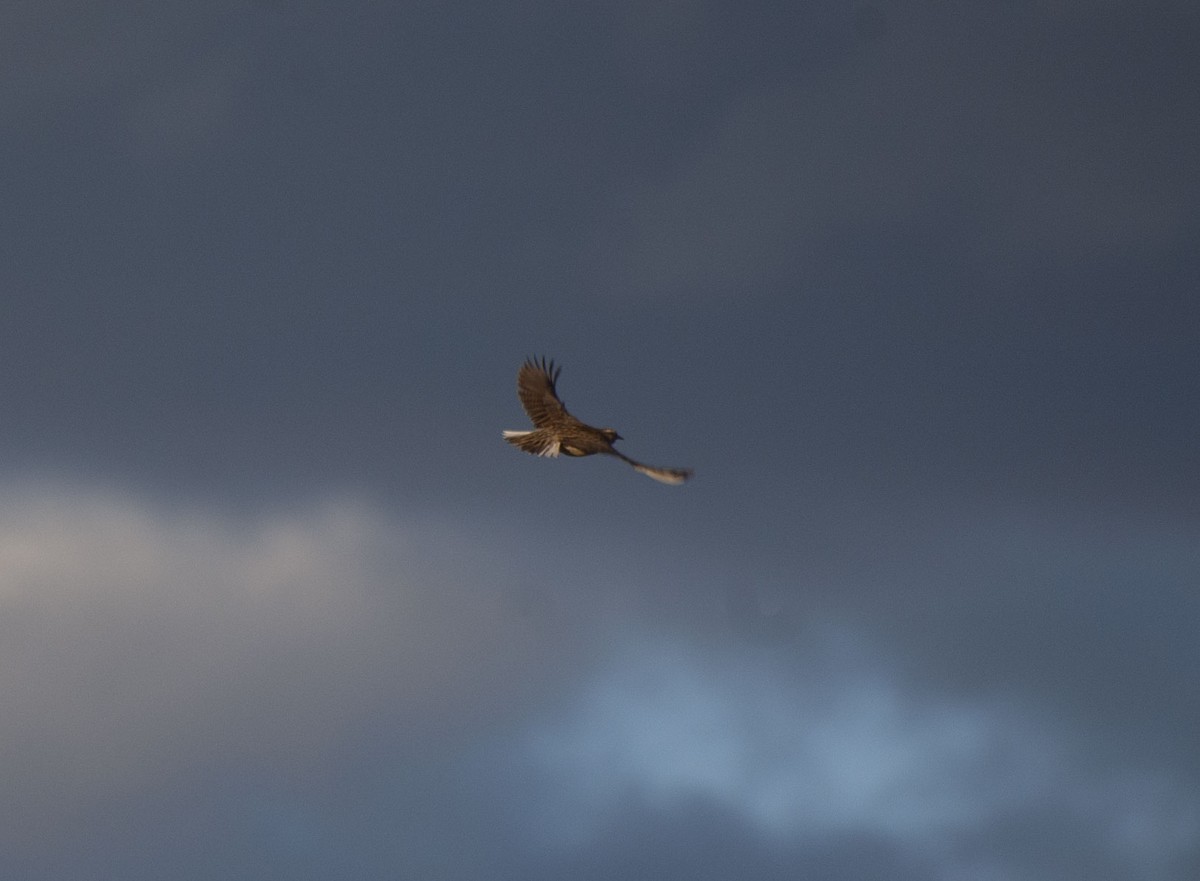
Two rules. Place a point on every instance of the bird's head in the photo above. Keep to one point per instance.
(610, 434)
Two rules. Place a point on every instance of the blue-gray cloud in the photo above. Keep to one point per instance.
(912, 289)
(843, 750)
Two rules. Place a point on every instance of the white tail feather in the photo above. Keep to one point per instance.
(547, 449)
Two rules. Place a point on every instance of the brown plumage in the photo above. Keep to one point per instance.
(556, 431)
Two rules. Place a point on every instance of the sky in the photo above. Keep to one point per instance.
(911, 286)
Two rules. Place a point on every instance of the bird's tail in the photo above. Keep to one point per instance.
(538, 442)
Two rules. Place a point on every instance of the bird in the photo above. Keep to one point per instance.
(556, 431)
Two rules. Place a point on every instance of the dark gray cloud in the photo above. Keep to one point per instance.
(913, 289)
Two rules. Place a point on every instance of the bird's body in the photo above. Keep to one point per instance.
(555, 431)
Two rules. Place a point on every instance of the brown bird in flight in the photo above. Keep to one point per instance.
(557, 431)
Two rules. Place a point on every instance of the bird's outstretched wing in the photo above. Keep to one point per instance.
(673, 476)
(535, 388)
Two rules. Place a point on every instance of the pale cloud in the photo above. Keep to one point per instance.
(139, 642)
(854, 750)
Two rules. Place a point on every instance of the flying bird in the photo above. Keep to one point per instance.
(557, 431)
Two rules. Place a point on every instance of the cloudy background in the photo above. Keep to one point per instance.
(913, 287)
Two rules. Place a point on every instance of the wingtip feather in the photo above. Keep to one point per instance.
(671, 476)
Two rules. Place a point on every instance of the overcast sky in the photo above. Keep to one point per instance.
(913, 287)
